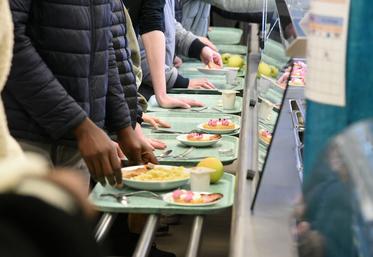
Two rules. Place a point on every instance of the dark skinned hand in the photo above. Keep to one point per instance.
(99, 153)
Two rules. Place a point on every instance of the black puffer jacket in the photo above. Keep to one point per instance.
(63, 69)
(123, 58)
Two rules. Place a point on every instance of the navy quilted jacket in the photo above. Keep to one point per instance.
(64, 69)
(123, 59)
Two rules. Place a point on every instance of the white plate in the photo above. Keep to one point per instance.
(212, 71)
(153, 185)
(168, 199)
(218, 131)
(183, 139)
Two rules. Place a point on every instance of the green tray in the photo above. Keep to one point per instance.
(153, 206)
(227, 142)
(188, 121)
(211, 101)
(190, 70)
(219, 83)
(223, 35)
(232, 49)
(275, 50)
(272, 61)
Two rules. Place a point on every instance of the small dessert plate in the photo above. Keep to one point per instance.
(218, 131)
(203, 140)
(168, 198)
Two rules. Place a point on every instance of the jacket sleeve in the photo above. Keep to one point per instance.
(117, 111)
(184, 39)
(33, 84)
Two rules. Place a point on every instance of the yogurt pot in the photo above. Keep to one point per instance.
(229, 99)
(200, 179)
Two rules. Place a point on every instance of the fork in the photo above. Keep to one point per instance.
(174, 131)
(199, 110)
(185, 153)
(123, 197)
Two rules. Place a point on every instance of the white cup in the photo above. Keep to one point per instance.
(200, 179)
(231, 75)
(229, 99)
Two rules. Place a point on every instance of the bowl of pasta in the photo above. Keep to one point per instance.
(155, 177)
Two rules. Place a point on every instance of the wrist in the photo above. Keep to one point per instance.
(83, 128)
(161, 97)
(125, 133)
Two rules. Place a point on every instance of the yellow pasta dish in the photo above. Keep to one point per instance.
(157, 174)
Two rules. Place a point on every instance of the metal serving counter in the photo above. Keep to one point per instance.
(266, 231)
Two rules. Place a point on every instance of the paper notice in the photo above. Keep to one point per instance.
(327, 31)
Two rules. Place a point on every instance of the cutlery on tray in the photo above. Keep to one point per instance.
(170, 131)
(199, 110)
(122, 198)
(164, 154)
(217, 109)
(185, 153)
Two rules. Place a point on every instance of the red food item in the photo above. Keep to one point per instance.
(209, 198)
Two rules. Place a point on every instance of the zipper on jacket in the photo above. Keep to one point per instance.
(92, 59)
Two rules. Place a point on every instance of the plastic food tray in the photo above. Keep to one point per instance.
(219, 83)
(213, 102)
(154, 206)
(272, 61)
(190, 70)
(222, 35)
(188, 121)
(275, 50)
(232, 49)
(227, 142)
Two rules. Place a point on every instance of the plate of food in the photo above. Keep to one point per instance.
(198, 139)
(155, 177)
(188, 198)
(219, 126)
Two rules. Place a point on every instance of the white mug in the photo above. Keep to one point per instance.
(229, 99)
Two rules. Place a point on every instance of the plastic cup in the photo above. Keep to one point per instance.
(229, 99)
(200, 179)
(231, 75)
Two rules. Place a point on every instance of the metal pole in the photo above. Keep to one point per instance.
(195, 237)
(146, 238)
(104, 225)
(247, 160)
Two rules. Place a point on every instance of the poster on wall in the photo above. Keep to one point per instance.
(327, 32)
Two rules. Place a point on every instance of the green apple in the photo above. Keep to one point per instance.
(235, 61)
(274, 71)
(225, 57)
(264, 69)
(213, 163)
